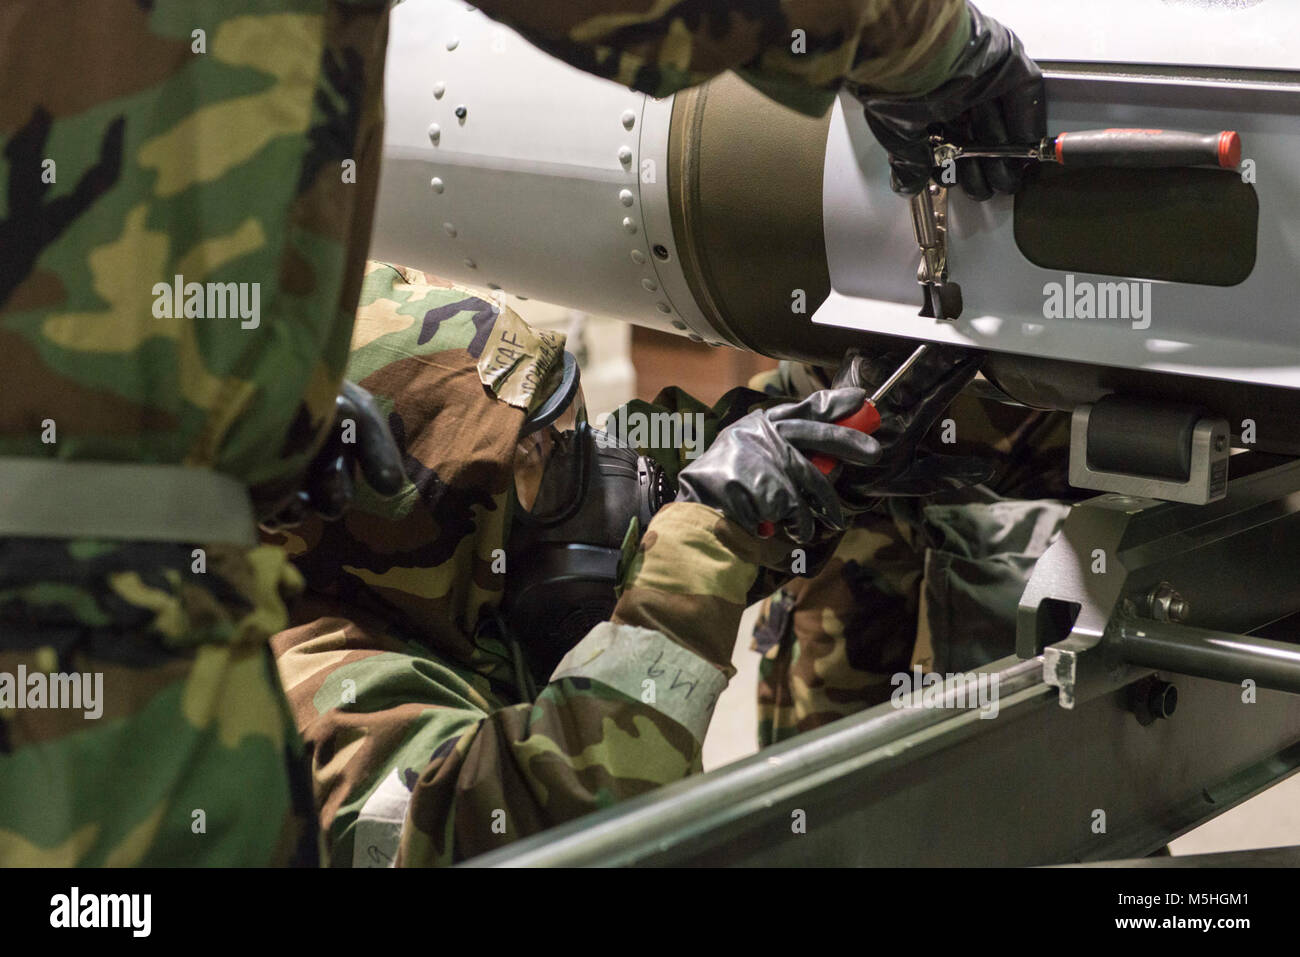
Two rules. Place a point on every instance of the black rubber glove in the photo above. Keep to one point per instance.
(757, 470)
(907, 412)
(328, 488)
(994, 97)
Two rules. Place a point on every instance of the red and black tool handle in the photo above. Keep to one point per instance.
(1147, 148)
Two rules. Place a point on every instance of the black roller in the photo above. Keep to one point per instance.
(1138, 437)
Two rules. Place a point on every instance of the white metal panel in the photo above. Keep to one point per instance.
(1249, 332)
(1252, 34)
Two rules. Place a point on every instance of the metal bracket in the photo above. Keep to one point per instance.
(1135, 584)
(1207, 479)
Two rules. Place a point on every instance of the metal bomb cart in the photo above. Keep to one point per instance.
(1137, 702)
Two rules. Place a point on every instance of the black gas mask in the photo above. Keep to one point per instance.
(576, 495)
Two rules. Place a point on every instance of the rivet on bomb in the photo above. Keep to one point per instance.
(629, 120)
(626, 198)
(625, 155)
(435, 133)
(439, 90)
(453, 43)
(437, 184)
(629, 224)
(461, 112)
(450, 229)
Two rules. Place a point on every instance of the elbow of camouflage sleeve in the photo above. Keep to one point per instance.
(690, 580)
(581, 746)
(899, 47)
(799, 52)
(918, 44)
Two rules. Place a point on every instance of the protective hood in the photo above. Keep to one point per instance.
(456, 375)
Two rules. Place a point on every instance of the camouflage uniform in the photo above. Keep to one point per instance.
(216, 156)
(215, 146)
(932, 583)
(799, 52)
(426, 745)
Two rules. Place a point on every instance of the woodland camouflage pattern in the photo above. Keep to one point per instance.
(424, 746)
(931, 582)
(168, 165)
(220, 166)
(193, 717)
(424, 749)
(661, 46)
(227, 165)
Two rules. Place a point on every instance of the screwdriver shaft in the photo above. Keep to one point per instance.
(898, 374)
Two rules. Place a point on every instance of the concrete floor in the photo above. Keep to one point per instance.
(1271, 819)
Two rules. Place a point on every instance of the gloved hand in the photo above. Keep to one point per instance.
(757, 469)
(907, 412)
(328, 488)
(994, 97)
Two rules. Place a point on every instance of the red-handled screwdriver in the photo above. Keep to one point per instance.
(866, 420)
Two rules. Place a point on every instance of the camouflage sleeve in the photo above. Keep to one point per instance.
(797, 51)
(692, 578)
(417, 760)
(182, 240)
(830, 642)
